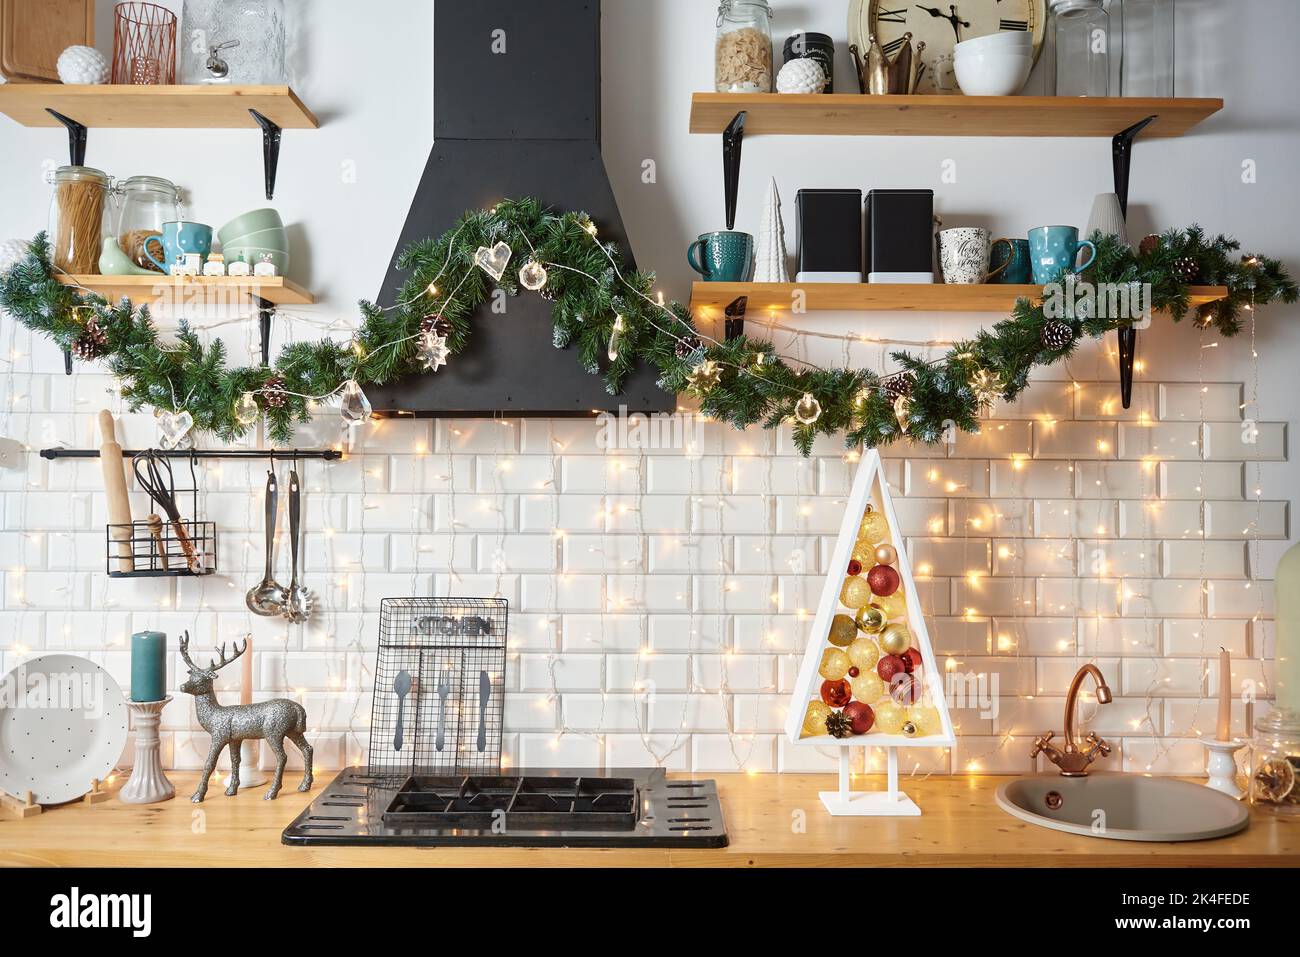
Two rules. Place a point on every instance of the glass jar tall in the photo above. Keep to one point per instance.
(144, 204)
(1077, 52)
(1142, 34)
(76, 226)
(233, 41)
(743, 53)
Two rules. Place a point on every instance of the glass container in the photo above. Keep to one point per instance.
(1275, 763)
(1142, 35)
(77, 218)
(743, 54)
(234, 41)
(144, 204)
(1078, 48)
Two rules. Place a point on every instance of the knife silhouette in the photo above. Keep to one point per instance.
(484, 691)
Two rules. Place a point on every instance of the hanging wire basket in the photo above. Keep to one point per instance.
(144, 45)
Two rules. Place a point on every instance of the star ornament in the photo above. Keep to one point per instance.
(987, 386)
(705, 376)
(433, 352)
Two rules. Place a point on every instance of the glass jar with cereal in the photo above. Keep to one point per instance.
(743, 55)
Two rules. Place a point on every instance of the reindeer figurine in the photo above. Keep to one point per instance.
(271, 721)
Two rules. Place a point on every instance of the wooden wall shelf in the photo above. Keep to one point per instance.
(852, 114)
(881, 297)
(183, 290)
(156, 107)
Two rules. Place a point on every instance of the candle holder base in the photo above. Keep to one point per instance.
(148, 783)
(1221, 767)
(250, 774)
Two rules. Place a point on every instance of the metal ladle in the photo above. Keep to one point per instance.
(268, 598)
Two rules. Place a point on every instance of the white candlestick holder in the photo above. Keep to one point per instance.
(1221, 768)
(148, 784)
(250, 759)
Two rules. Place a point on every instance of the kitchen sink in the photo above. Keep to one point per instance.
(1123, 807)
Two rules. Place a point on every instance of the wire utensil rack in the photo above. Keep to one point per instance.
(439, 687)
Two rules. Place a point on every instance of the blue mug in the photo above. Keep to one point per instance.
(723, 257)
(179, 240)
(1054, 248)
(1010, 262)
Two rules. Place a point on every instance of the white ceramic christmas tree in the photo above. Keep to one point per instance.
(869, 677)
(770, 259)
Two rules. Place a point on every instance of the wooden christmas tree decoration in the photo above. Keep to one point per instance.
(771, 264)
(869, 678)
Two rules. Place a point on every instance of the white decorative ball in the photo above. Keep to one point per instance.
(803, 75)
(12, 251)
(83, 65)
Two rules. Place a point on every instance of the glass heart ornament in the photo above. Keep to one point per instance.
(174, 427)
(494, 260)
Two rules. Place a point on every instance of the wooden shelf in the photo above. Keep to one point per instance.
(851, 114)
(155, 107)
(881, 297)
(182, 290)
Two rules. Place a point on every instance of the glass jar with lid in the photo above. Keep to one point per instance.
(77, 218)
(743, 54)
(1275, 763)
(144, 204)
(1078, 48)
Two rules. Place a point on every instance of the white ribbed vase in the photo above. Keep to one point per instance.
(148, 783)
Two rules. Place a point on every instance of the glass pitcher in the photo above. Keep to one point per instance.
(234, 41)
(144, 204)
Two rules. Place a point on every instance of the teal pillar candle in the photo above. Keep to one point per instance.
(148, 666)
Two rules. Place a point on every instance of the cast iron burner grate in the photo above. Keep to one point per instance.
(558, 808)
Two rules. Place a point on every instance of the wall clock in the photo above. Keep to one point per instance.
(940, 24)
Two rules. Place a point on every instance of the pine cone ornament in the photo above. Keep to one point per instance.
(1149, 245)
(1186, 270)
(91, 344)
(687, 346)
(839, 725)
(1057, 335)
(438, 325)
(273, 393)
(898, 386)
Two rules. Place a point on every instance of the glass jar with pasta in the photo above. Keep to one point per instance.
(77, 218)
(743, 55)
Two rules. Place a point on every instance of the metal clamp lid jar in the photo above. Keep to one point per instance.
(145, 204)
(743, 54)
(76, 223)
(1275, 763)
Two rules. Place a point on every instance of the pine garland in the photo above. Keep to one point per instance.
(591, 290)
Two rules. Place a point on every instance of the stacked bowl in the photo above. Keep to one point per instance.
(254, 237)
(995, 65)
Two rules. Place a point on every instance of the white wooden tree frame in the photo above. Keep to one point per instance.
(869, 488)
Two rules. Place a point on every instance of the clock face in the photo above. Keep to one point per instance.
(939, 25)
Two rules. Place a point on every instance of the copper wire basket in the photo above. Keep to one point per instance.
(144, 44)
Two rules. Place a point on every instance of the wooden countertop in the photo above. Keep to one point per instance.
(960, 826)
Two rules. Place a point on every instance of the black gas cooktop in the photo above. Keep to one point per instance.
(554, 808)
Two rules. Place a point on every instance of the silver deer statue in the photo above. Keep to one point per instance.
(272, 721)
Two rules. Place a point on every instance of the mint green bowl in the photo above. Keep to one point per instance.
(253, 222)
(262, 239)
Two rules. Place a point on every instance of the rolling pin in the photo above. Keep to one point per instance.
(119, 505)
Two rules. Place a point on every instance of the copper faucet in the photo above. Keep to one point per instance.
(1074, 760)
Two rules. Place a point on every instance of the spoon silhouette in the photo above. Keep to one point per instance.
(401, 688)
(267, 598)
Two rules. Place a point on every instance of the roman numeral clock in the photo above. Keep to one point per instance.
(941, 25)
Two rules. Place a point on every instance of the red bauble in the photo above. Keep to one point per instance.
(911, 660)
(854, 672)
(855, 568)
(836, 693)
(861, 716)
(888, 667)
(884, 581)
(905, 689)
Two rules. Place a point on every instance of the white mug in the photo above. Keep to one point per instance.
(964, 254)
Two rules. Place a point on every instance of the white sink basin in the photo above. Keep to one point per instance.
(1123, 807)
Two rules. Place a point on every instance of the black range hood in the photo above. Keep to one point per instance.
(523, 122)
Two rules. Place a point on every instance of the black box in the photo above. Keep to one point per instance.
(830, 235)
(900, 235)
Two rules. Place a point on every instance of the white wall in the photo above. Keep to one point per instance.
(616, 605)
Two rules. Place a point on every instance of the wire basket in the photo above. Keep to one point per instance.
(439, 686)
(166, 550)
(144, 44)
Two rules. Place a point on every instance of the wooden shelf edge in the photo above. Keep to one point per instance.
(278, 289)
(881, 297)
(122, 106)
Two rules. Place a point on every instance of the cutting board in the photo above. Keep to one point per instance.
(34, 32)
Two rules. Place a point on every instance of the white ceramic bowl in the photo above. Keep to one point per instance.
(992, 74)
(1020, 39)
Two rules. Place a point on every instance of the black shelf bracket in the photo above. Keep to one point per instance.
(274, 455)
(265, 313)
(735, 324)
(77, 138)
(733, 139)
(271, 135)
(1121, 151)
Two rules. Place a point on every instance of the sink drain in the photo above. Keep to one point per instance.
(1054, 800)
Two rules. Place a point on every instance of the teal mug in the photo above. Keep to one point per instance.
(1010, 262)
(179, 240)
(723, 256)
(1054, 248)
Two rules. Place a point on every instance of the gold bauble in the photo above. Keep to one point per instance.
(835, 664)
(871, 619)
(864, 654)
(864, 552)
(886, 555)
(926, 719)
(890, 718)
(894, 606)
(814, 719)
(895, 639)
(868, 688)
(855, 593)
(874, 527)
(843, 631)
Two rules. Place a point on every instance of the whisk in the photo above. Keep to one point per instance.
(153, 472)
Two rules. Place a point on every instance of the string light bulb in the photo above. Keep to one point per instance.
(616, 338)
(808, 410)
